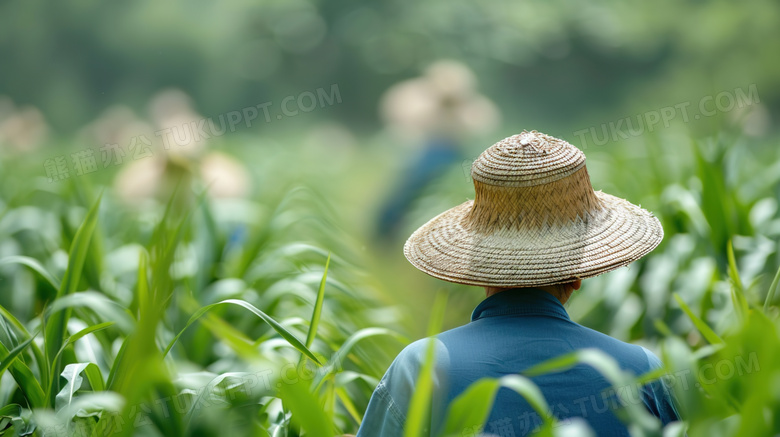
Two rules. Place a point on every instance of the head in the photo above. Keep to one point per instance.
(562, 292)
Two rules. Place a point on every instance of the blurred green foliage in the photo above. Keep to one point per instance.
(548, 63)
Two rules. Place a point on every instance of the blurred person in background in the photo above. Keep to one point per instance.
(534, 231)
(437, 111)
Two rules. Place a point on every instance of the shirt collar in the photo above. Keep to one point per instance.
(528, 301)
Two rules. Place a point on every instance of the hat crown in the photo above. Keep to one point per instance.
(527, 159)
(531, 181)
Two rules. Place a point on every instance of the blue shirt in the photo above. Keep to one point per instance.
(510, 332)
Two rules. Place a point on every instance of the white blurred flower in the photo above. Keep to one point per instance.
(224, 176)
(442, 102)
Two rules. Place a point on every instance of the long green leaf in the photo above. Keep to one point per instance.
(307, 413)
(95, 377)
(737, 289)
(471, 409)
(201, 398)
(770, 295)
(335, 365)
(348, 404)
(115, 374)
(26, 381)
(11, 414)
(359, 336)
(56, 325)
(315, 316)
(8, 359)
(103, 307)
(265, 317)
(36, 266)
(78, 251)
(74, 338)
(418, 416)
(528, 390)
(36, 350)
(11, 410)
(608, 367)
(705, 330)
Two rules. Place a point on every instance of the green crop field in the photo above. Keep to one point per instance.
(202, 316)
(203, 207)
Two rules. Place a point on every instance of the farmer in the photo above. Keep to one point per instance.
(534, 231)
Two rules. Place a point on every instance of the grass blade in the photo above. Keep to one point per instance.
(36, 350)
(26, 381)
(307, 413)
(294, 342)
(56, 325)
(348, 404)
(472, 407)
(418, 417)
(527, 389)
(95, 377)
(103, 307)
(770, 296)
(36, 266)
(8, 359)
(737, 289)
(705, 330)
(78, 252)
(636, 414)
(74, 338)
(11, 414)
(315, 317)
(334, 366)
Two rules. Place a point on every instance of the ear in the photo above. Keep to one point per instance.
(576, 284)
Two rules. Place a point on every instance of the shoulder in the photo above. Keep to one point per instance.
(412, 358)
(631, 356)
(652, 359)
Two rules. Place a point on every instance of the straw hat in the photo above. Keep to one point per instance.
(535, 221)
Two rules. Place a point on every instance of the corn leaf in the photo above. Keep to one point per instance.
(36, 266)
(315, 317)
(770, 296)
(56, 325)
(703, 328)
(307, 413)
(8, 359)
(418, 416)
(737, 289)
(294, 342)
(26, 380)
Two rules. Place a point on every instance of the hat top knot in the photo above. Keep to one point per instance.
(527, 159)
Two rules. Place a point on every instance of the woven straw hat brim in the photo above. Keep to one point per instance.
(612, 237)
